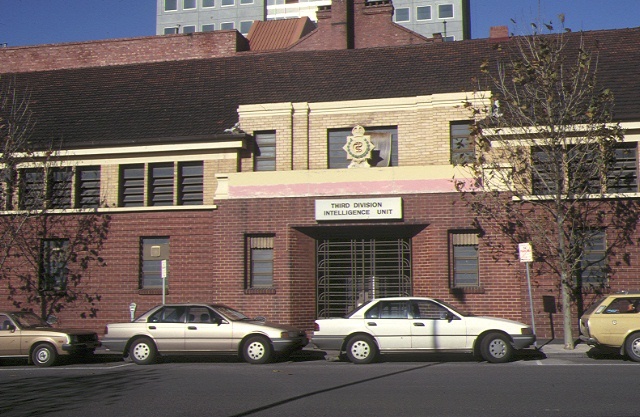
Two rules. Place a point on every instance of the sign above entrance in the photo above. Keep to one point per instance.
(359, 209)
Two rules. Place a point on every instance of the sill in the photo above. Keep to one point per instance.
(152, 291)
(260, 291)
(466, 290)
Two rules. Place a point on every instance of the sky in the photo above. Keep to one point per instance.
(35, 22)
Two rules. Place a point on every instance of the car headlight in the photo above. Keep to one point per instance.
(526, 330)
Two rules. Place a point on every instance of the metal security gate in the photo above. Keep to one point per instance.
(352, 271)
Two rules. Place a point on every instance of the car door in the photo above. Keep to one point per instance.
(617, 320)
(9, 337)
(167, 327)
(435, 327)
(389, 322)
(207, 331)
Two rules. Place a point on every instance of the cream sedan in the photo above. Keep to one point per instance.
(411, 324)
(191, 329)
(25, 335)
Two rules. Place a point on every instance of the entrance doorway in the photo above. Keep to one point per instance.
(353, 271)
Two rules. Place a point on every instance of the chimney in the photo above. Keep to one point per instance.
(499, 32)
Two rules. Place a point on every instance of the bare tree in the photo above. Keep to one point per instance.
(47, 249)
(550, 165)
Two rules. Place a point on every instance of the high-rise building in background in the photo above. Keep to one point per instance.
(450, 18)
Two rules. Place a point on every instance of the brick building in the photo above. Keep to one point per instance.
(233, 170)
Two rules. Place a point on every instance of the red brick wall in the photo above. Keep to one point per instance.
(372, 27)
(207, 263)
(122, 51)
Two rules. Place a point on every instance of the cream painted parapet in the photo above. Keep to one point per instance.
(373, 181)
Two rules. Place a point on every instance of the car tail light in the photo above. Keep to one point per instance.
(316, 327)
(106, 329)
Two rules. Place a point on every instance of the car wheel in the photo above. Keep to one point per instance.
(44, 354)
(362, 349)
(257, 350)
(632, 346)
(143, 351)
(496, 348)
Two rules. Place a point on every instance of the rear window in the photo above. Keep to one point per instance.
(595, 305)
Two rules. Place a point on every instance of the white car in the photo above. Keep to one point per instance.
(410, 324)
(201, 329)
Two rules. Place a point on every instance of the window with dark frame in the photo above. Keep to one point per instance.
(465, 263)
(190, 186)
(260, 252)
(547, 168)
(462, 143)
(59, 186)
(154, 253)
(265, 155)
(88, 187)
(132, 185)
(385, 140)
(593, 265)
(31, 194)
(54, 255)
(161, 184)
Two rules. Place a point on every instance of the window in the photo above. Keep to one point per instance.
(260, 261)
(161, 184)
(154, 262)
(584, 175)
(189, 29)
(623, 176)
(170, 31)
(132, 185)
(402, 14)
(429, 310)
(385, 141)
(208, 3)
(59, 187)
(445, 11)
(388, 310)
(265, 156)
(54, 254)
(593, 263)
(170, 5)
(630, 305)
(228, 2)
(423, 13)
(208, 28)
(245, 26)
(32, 189)
(190, 187)
(247, 2)
(88, 187)
(227, 26)
(462, 144)
(188, 4)
(465, 259)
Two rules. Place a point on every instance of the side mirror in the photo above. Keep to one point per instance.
(11, 328)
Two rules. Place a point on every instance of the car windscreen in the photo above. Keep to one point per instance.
(230, 313)
(29, 320)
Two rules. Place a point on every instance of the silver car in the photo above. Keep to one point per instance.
(188, 329)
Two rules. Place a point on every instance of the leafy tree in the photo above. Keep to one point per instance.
(550, 164)
(46, 250)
